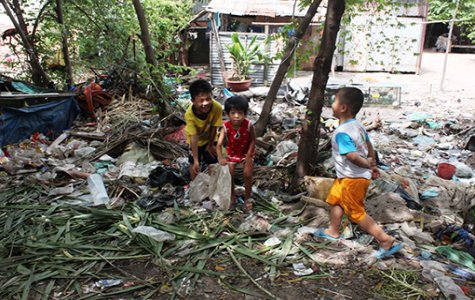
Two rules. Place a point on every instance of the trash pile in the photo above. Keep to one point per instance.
(78, 212)
(425, 198)
(106, 209)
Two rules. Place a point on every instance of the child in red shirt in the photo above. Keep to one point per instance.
(240, 138)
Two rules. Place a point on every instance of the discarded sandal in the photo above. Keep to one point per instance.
(320, 233)
(383, 253)
(248, 204)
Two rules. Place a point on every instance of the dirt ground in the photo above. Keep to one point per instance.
(423, 89)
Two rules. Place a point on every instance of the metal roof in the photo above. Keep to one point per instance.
(269, 8)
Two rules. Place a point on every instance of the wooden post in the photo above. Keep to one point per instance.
(449, 45)
(220, 50)
(266, 62)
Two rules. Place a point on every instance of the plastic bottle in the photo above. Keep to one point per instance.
(97, 189)
(105, 283)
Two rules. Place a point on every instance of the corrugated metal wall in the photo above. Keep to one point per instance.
(258, 70)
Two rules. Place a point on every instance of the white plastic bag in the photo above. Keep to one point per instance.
(220, 185)
(199, 188)
(158, 235)
(98, 190)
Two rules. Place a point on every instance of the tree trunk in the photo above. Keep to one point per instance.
(38, 75)
(19, 15)
(64, 36)
(261, 124)
(308, 145)
(145, 34)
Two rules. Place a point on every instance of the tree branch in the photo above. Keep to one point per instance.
(107, 28)
(290, 48)
(38, 19)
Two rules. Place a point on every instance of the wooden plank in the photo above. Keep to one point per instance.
(220, 51)
(56, 142)
(100, 136)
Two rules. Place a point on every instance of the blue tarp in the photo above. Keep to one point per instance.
(17, 124)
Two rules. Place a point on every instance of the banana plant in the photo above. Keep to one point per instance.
(244, 57)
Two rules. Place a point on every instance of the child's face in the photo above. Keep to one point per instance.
(236, 116)
(202, 103)
(338, 108)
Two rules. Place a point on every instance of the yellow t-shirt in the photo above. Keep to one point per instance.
(197, 126)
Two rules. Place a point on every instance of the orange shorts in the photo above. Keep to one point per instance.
(349, 194)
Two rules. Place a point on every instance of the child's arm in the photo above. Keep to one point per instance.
(194, 152)
(363, 162)
(252, 144)
(359, 160)
(219, 147)
(347, 147)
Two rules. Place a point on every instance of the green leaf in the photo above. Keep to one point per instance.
(48, 290)
(286, 247)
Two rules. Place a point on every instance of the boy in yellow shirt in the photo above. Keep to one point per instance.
(202, 119)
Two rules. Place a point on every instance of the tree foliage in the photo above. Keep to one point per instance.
(104, 34)
(443, 10)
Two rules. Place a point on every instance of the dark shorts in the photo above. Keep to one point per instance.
(203, 156)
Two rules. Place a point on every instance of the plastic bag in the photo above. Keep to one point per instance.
(220, 185)
(158, 235)
(98, 190)
(199, 188)
(318, 187)
(163, 175)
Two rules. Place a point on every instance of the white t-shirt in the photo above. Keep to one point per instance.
(349, 137)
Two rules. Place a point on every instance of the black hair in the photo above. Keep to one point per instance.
(352, 97)
(200, 86)
(237, 102)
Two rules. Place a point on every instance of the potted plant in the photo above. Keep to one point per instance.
(243, 58)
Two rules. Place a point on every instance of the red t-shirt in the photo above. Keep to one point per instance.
(238, 141)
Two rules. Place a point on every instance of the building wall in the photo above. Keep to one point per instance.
(372, 45)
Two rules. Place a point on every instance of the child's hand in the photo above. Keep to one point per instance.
(223, 162)
(196, 167)
(211, 149)
(372, 162)
(375, 174)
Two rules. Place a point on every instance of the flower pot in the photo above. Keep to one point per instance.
(446, 170)
(239, 85)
